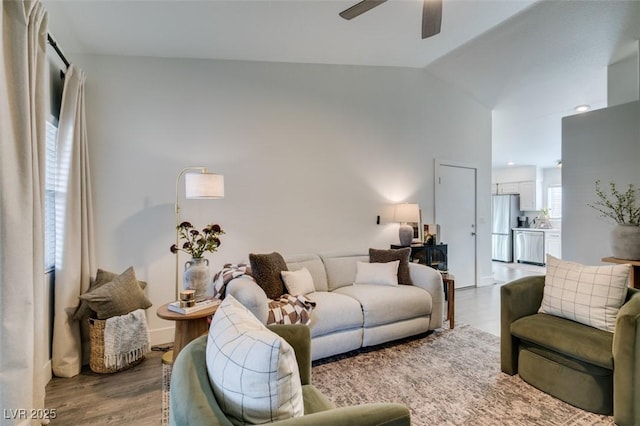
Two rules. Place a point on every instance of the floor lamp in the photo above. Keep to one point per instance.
(198, 184)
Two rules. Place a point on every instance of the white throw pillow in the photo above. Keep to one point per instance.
(377, 273)
(298, 282)
(253, 371)
(590, 295)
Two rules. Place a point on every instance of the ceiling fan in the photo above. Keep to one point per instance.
(431, 14)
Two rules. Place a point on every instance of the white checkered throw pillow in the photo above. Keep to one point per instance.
(590, 295)
(253, 371)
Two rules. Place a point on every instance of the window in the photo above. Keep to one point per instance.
(50, 195)
(554, 201)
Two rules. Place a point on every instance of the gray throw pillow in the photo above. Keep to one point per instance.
(102, 277)
(390, 255)
(118, 297)
(266, 269)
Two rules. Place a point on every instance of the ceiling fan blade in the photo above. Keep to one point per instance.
(360, 8)
(431, 17)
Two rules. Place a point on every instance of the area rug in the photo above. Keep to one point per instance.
(450, 377)
(166, 382)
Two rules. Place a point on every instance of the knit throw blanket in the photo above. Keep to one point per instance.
(228, 272)
(287, 309)
(126, 339)
(290, 309)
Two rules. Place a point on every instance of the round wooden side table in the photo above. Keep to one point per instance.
(188, 327)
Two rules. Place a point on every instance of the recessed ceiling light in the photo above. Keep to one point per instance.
(582, 108)
(510, 163)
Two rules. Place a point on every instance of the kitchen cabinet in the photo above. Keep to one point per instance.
(525, 181)
(530, 196)
(508, 188)
(553, 244)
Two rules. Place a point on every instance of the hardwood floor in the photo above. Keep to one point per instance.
(134, 397)
(480, 306)
(130, 397)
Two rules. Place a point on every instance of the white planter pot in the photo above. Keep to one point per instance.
(625, 241)
(197, 276)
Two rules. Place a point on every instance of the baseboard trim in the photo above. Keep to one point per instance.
(161, 336)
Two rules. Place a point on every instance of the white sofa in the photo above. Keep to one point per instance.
(347, 317)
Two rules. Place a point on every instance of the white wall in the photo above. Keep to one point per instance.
(602, 144)
(311, 155)
(623, 77)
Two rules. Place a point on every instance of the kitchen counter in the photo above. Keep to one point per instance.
(538, 229)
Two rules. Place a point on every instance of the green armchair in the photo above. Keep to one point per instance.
(594, 370)
(192, 401)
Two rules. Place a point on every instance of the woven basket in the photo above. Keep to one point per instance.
(96, 340)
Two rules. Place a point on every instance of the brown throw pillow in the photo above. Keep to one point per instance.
(403, 255)
(102, 277)
(118, 297)
(266, 269)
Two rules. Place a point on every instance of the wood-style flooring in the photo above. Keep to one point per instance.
(134, 396)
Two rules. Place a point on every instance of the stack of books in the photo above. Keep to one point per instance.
(204, 304)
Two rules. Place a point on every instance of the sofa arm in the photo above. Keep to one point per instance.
(430, 280)
(299, 337)
(250, 295)
(518, 299)
(626, 361)
(382, 414)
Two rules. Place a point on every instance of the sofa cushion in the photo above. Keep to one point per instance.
(570, 338)
(384, 305)
(315, 266)
(402, 255)
(341, 267)
(377, 273)
(266, 269)
(252, 370)
(590, 295)
(334, 312)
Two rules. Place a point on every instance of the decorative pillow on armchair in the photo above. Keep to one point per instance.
(266, 269)
(590, 295)
(253, 371)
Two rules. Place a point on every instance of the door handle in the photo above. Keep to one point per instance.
(473, 234)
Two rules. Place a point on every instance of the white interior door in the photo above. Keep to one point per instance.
(455, 212)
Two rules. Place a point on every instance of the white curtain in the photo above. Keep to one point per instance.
(23, 348)
(75, 257)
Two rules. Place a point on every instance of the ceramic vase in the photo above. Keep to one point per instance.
(625, 241)
(197, 277)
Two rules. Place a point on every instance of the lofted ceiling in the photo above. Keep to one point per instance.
(529, 61)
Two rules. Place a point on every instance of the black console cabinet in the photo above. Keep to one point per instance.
(430, 255)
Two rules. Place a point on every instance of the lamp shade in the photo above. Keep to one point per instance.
(406, 213)
(204, 185)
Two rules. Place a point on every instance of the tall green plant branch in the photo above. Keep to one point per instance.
(621, 207)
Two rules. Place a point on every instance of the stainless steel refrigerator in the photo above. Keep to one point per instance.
(505, 210)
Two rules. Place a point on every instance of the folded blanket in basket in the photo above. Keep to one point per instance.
(126, 339)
